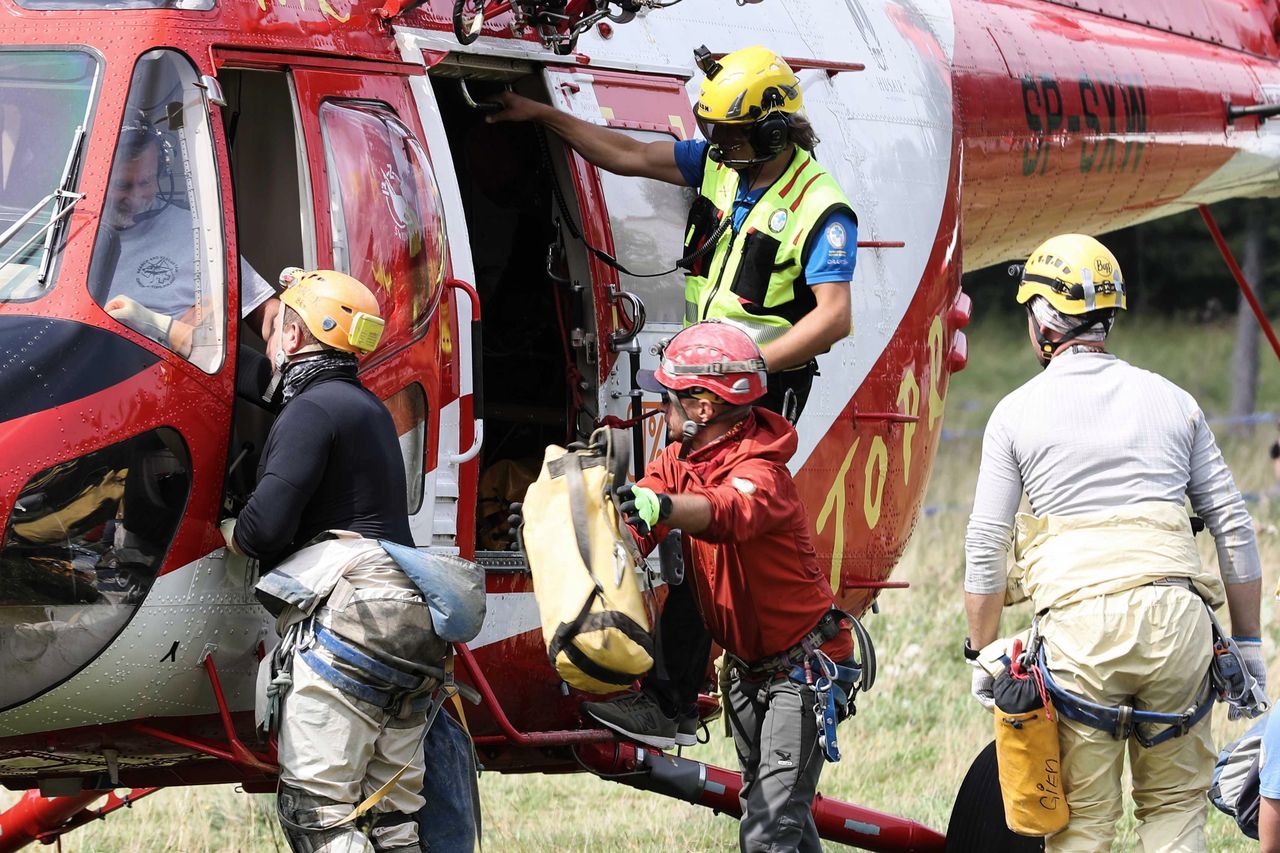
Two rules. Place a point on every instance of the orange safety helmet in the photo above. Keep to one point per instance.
(710, 356)
(337, 309)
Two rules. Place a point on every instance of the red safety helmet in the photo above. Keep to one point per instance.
(710, 357)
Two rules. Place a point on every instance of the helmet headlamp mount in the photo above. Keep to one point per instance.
(706, 63)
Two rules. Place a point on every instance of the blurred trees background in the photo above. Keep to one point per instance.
(1174, 271)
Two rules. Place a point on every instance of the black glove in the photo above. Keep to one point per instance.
(515, 520)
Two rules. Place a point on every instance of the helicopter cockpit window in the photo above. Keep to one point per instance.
(647, 220)
(388, 220)
(158, 263)
(80, 553)
(46, 98)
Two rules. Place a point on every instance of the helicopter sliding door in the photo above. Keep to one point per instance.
(379, 217)
(639, 221)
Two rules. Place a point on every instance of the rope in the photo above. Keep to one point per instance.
(615, 422)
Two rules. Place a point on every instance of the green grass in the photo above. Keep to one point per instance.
(915, 733)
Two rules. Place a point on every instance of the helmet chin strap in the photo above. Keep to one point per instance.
(690, 428)
(279, 360)
(1048, 348)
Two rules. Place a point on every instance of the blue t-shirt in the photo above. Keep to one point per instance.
(1269, 767)
(831, 256)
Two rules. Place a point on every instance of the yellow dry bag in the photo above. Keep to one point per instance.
(1028, 756)
(594, 617)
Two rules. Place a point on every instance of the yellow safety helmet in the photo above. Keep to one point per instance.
(746, 85)
(1075, 273)
(337, 309)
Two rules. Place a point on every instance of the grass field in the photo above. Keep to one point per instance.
(914, 734)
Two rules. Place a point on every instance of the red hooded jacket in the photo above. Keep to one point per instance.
(754, 569)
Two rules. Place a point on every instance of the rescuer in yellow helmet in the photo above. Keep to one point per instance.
(1107, 454)
(748, 106)
(771, 240)
(1078, 278)
(350, 677)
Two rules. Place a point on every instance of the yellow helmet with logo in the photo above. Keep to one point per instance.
(746, 85)
(1075, 273)
(337, 309)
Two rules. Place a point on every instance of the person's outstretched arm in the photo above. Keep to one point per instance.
(608, 149)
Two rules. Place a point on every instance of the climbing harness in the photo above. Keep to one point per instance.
(834, 686)
(1227, 680)
(831, 703)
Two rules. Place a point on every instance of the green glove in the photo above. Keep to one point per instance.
(643, 508)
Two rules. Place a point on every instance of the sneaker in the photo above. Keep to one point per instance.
(689, 725)
(637, 717)
(687, 729)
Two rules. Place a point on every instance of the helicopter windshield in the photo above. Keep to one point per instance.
(79, 554)
(46, 96)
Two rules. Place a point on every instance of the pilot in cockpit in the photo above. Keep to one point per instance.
(147, 228)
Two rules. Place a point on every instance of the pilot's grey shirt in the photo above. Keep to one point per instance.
(157, 267)
(1093, 433)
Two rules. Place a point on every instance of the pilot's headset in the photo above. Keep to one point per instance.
(136, 132)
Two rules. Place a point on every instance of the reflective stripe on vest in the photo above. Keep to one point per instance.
(755, 276)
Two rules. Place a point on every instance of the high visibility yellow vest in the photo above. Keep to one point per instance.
(755, 277)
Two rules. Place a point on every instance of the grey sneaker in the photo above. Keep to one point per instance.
(637, 717)
(687, 729)
(689, 725)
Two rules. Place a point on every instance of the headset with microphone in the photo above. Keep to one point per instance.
(136, 133)
(768, 134)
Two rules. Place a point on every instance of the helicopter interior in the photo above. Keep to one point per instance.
(539, 355)
(270, 236)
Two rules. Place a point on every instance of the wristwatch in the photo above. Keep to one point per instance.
(970, 653)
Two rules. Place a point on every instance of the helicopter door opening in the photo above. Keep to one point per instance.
(540, 342)
(272, 212)
(646, 222)
(274, 229)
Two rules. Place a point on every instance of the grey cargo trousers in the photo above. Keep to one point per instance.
(776, 737)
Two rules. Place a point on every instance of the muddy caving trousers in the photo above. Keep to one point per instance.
(336, 749)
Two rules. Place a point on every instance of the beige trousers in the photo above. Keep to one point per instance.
(342, 749)
(1148, 647)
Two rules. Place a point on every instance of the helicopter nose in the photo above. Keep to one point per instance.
(86, 532)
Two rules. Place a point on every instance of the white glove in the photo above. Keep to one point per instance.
(1251, 657)
(228, 528)
(982, 686)
(140, 318)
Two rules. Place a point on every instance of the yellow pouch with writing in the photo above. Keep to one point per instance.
(1028, 755)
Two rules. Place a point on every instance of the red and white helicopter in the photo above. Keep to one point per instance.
(342, 133)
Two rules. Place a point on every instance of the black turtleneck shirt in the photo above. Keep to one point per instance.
(332, 461)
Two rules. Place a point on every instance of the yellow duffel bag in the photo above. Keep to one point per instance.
(595, 621)
(1028, 754)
